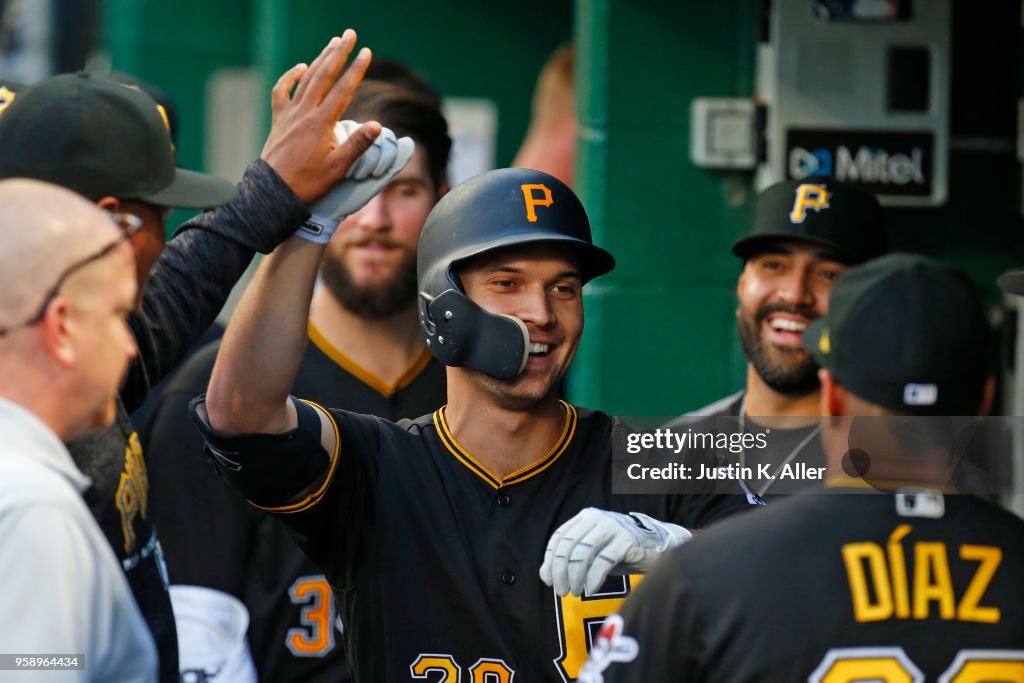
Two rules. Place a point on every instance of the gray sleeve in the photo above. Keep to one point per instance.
(64, 593)
(190, 282)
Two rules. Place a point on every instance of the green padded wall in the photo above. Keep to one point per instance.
(660, 334)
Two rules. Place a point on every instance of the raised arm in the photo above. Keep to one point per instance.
(263, 344)
(300, 163)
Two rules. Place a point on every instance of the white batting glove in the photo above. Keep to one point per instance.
(586, 549)
(367, 176)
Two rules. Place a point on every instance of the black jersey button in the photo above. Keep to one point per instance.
(503, 500)
(508, 578)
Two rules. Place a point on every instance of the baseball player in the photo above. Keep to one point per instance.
(431, 531)
(806, 234)
(889, 578)
(364, 354)
(111, 143)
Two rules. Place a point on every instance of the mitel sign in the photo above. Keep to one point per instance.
(886, 163)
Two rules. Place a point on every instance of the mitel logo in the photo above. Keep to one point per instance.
(803, 163)
(883, 162)
(866, 165)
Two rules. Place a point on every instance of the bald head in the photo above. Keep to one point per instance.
(43, 229)
(69, 287)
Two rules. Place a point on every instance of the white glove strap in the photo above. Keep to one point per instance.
(317, 229)
(669, 535)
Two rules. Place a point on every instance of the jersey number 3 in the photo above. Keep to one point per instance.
(315, 636)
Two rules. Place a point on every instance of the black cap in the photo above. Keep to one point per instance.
(820, 210)
(100, 138)
(907, 333)
(158, 94)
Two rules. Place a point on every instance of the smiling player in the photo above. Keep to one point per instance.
(432, 532)
(806, 234)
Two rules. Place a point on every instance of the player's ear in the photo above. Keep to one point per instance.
(58, 333)
(833, 396)
(109, 204)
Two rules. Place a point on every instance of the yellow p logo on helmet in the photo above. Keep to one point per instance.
(533, 201)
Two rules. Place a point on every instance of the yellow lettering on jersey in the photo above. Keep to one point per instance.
(808, 196)
(986, 672)
(862, 664)
(132, 495)
(577, 613)
(886, 669)
(888, 664)
(880, 590)
(932, 581)
(985, 666)
(432, 664)
(898, 570)
(854, 556)
(315, 637)
(490, 671)
(968, 610)
(532, 201)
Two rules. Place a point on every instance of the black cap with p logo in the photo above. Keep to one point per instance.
(819, 210)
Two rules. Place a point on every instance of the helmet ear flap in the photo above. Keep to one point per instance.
(526, 340)
(462, 334)
(427, 326)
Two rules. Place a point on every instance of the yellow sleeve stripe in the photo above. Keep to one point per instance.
(315, 497)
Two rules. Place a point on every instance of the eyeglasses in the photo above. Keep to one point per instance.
(129, 224)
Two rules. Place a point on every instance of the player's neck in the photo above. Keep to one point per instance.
(763, 401)
(21, 387)
(384, 347)
(502, 440)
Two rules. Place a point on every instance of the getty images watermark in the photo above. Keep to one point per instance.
(760, 456)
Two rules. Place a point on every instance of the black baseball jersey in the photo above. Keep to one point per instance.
(849, 586)
(187, 288)
(435, 561)
(212, 538)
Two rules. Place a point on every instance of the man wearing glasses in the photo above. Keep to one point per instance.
(110, 142)
(64, 347)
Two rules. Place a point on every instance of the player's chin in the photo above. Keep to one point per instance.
(374, 276)
(788, 356)
(534, 387)
(106, 415)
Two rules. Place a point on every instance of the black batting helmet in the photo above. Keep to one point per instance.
(494, 210)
